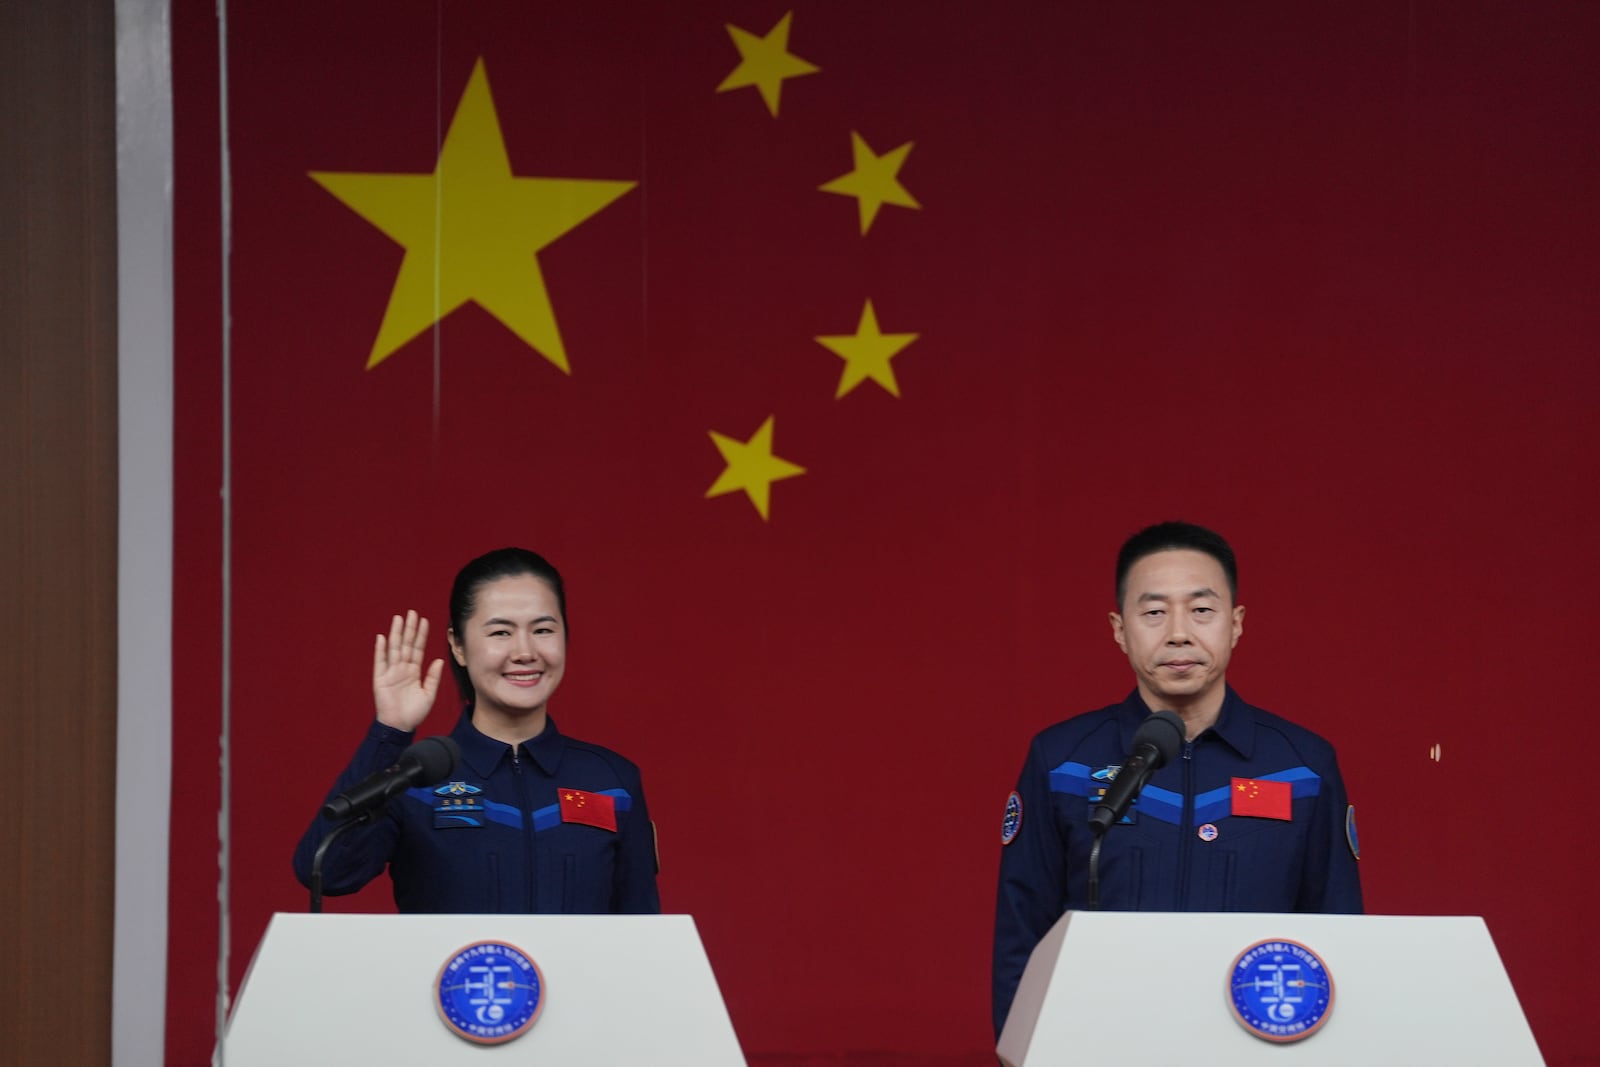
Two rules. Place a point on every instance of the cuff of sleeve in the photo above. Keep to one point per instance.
(388, 735)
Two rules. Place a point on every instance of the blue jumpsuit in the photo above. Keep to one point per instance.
(1180, 849)
(491, 839)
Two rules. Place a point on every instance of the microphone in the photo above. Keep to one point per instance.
(424, 763)
(1155, 743)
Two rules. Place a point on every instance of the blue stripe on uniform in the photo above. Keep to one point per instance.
(1074, 780)
(505, 814)
(1071, 779)
(1161, 804)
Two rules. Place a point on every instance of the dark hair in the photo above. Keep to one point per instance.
(491, 567)
(1170, 536)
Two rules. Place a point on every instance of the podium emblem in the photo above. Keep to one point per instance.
(1280, 990)
(489, 992)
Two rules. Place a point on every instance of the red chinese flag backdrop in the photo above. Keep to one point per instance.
(1320, 277)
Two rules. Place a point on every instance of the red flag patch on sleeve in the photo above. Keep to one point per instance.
(1263, 799)
(590, 809)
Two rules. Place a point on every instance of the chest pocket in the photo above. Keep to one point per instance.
(582, 860)
(578, 849)
(1254, 864)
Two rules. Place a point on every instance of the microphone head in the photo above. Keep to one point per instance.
(435, 758)
(1164, 731)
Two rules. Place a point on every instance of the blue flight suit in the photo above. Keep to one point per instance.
(491, 839)
(1180, 849)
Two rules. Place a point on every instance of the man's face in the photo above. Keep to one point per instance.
(1178, 625)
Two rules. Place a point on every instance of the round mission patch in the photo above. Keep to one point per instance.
(489, 992)
(1280, 990)
(1012, 822)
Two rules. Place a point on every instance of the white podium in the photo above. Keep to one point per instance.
(351, 989)
(1152, 987)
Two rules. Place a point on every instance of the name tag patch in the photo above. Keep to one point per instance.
(453, 813)
(460, 806)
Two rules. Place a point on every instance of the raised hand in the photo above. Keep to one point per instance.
(402, 692)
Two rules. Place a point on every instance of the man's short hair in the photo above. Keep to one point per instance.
(1170, 536)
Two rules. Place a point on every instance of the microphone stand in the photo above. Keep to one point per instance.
(322, 850)
(1094, 869)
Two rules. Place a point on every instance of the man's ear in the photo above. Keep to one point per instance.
(1117, 635)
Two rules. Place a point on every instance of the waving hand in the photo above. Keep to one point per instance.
(402, 692)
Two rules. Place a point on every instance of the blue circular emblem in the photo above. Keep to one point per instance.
(489, 992)
(1013, 819)
(1280, 990)
(1208, 832)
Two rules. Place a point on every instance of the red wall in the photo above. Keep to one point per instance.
(1321, 277)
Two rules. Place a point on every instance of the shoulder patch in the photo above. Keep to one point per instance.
(1350, 831)
(1012, 822)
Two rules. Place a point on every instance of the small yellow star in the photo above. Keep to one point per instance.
(867, 353)
(471, 230)
(875, 180)
(751, 467)
(765, 62)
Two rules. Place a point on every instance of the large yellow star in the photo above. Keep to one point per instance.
(867, 353)
(471, 230)
(765, 62)
(751, 467)
(875, 180)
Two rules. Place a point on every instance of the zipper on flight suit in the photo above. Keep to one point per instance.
(527, 829)
(1183, 825)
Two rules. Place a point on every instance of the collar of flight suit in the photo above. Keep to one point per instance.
(1235, 725)
(483, 753)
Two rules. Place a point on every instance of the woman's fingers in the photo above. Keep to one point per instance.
(396, 639)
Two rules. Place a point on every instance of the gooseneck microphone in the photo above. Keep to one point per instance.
(428, 761)
(1156, 743)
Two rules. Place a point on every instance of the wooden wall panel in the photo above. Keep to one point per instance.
(58, 499)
